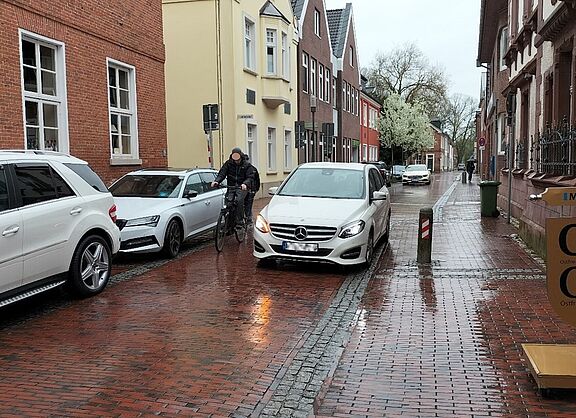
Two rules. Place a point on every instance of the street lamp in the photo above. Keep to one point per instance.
(313, 105)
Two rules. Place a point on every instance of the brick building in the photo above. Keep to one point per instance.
(85, 78)
(369, 133)
(346, 69)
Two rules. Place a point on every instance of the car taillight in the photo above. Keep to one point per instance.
(112, 213)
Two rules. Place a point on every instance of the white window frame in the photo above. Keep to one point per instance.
(271, 149)
(365, 115)
(365, 156)
(317, 22)
(320, 81)
(287, 150)
(60, 100)
(252, 150)
(313, 79)
(285, 57)
(250, 51)
(306, 79)
(503, 48)
(132, 112)
(274, 47)
(328, 87)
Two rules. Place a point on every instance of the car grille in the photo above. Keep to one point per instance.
(138, 242)
(313, 233)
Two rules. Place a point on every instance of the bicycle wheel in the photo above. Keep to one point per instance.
(220, 231)
(241, 232)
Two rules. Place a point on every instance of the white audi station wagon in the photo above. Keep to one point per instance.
(57, 225)
(325, 212)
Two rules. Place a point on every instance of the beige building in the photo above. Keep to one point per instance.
(240, 55)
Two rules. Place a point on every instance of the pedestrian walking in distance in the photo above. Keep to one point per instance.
(470, 169)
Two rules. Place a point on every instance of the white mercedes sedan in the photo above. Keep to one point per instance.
(415, 174)
(325, 212)
(160, 208)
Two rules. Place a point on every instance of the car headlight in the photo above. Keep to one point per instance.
(353, 229)
(262, 225)
(145, 221)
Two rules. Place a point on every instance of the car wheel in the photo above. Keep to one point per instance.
(91, 266)
(370, 249)
(172, 239)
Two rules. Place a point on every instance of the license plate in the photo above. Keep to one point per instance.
(300, 247)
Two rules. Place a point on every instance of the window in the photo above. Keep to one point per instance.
(194, 184)
(43, 94)
(271, 51)
(328, 79)
(344, 107)
(305, 74)
(4, 204)
(40, 183)
(313, 79)
(351, 56)
(334, 93)
(287, 150)
(122, 105)
(365, 115)
(503, 47)
(321, 82)
(249, 44)
(88, 175)
(357, 102)
(251, 142)
(365, 153)
(271, 147)
(348, 101)
(207, 179)
(317, 22)
(285, 57)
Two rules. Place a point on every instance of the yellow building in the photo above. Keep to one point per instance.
(241, 55)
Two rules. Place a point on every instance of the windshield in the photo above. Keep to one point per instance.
(416, 168)
(331, 183)
(147, 186)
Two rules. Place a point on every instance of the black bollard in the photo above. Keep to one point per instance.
(425, 235)
(464, 174)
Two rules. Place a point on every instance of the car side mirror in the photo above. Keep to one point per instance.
(190, 194)
(272, 191)
(379, 196)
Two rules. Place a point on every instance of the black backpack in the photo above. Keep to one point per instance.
(256, 185)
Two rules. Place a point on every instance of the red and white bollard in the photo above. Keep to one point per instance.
(425, 235)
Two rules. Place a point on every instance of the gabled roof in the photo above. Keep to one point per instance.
(338, 23)
(298, 7)
(270, 10)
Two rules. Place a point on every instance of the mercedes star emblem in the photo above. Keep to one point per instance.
(301, 233)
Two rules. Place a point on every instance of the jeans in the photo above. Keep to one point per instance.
(470, 176)
(237, 196)
(248, 202)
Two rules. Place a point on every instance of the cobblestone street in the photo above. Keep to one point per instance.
(208, 335)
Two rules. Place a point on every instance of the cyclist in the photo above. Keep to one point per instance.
(239, 173)
(252, 192)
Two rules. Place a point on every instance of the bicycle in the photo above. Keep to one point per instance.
(226, 225)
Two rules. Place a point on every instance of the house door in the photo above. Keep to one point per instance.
(430, 162)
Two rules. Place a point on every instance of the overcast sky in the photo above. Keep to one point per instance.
(446, 31)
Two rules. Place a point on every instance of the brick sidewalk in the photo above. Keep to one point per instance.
(445, 340)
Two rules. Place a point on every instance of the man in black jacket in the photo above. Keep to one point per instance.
(239, 173)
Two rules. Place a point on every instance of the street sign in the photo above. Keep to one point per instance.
(558, 196)
(482, 142)
(211, 117)
(481, 148)
(561, 267)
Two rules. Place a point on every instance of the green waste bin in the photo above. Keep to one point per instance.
(488, 198)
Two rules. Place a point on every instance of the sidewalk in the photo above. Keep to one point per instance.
(445, 339)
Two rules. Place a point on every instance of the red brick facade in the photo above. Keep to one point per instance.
(91, 32)
(316, 48)
(370, 136)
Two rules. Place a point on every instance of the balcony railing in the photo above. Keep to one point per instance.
(555, 151)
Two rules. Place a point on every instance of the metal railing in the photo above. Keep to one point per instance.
(555, 150)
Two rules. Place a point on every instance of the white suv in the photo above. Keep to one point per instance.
(57, 225)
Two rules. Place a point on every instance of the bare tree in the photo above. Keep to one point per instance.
(406, 72)
(458, 117)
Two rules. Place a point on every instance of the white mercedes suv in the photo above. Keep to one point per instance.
(325, 212)
(57, 225)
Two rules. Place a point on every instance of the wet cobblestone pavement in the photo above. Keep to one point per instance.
(217, 336)
(445, 340)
